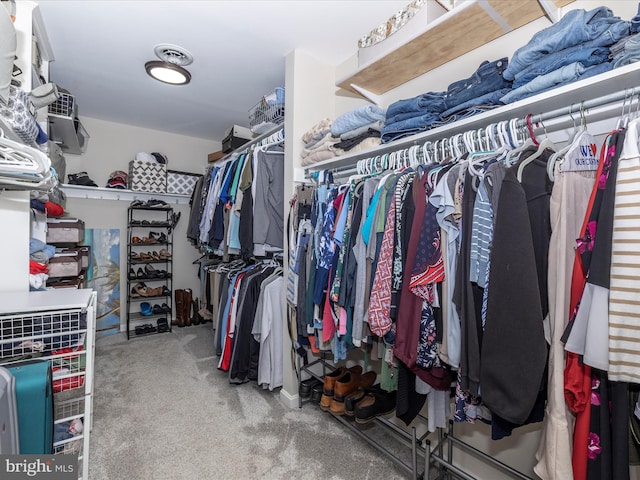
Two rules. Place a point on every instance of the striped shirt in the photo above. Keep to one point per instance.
(624, 299)
(481, 236)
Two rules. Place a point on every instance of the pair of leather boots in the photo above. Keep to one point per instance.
(348, 391)
(185, 304)
(341, 383)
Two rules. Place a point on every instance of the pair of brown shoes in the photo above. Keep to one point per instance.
(341, 383)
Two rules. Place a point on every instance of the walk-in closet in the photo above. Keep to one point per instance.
(347, 240)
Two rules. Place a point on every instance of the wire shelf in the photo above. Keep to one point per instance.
(47, 333)
(69, 405)
(268, 113)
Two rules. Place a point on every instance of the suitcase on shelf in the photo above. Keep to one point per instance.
(9, 443)
(34, 401)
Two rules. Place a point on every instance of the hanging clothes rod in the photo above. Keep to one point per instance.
(251, 143)
(621, 101)
(583, 107)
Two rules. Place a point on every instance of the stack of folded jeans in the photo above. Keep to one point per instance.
(319, 143)
(413, 115)
(478, 93)
(464, 98)
(574, 48)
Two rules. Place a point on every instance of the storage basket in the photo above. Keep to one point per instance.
(181, 183)
(268, 112)
(65, 106)
(147, 177)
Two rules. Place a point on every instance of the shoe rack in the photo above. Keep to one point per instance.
(149, 267)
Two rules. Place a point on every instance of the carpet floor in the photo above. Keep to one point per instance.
(163, 411)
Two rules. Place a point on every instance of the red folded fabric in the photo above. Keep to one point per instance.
(53, 209)
(35, 268)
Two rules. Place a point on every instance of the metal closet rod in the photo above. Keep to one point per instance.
(249, 144)
(584, 106)
(627, 96)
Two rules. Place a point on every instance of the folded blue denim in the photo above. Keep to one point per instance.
(564, 74)
(395, 134)
(635, 22)
(487, 78)
(420, 122)
(433, 101)
(401, 117)
(597, 27)
(589, 72)
(618, 47)
(397, 131)
(549, 63)
(630, 54)
(356, 118)
(491, 98)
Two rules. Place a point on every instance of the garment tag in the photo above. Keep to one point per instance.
(581, 157)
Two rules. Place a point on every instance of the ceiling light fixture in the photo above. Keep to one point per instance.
(167, 72)
(170, 68)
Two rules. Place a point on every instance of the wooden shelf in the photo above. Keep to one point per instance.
(455, 33)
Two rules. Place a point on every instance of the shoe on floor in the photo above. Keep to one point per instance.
(163, 325)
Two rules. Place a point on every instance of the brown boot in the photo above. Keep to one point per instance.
(186, 307)
(196, 319)
(179, 296)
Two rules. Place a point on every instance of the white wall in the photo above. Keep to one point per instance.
(518, 450)
(14, 243)
(111, 147)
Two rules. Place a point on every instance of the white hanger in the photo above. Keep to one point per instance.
(425, 152)
(24, 166)
(514, 153)
(542, 146)
(560, 153)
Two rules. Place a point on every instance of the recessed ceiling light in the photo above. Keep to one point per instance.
(167, 72)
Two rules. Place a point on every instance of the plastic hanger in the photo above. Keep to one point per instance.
(546, 143)
(560, 153)
(514, 153)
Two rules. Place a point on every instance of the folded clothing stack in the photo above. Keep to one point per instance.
(117, 179)
(464, 98)
(319, 143)
(359, 129)
(47, 204)
(572, 49)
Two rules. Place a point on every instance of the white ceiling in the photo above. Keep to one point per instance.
(239, 47)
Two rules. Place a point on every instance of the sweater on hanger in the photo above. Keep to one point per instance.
(510, 380)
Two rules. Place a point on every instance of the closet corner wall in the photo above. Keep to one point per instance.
(311, 95)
